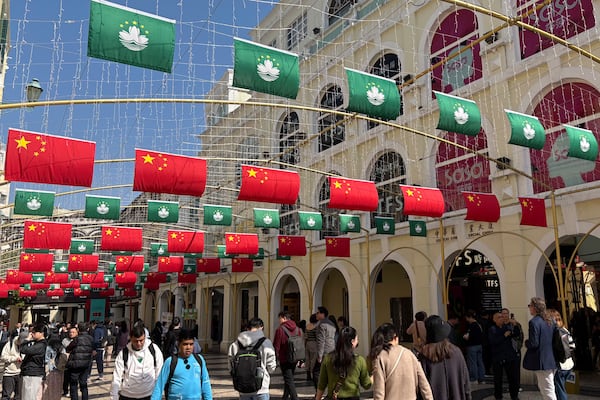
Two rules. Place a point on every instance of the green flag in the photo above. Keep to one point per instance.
(43, 251)
(138, 286)
(582, 143)
(458, 115)
(373, 95)
(38, 278)
(122, 253)
(82, 246)
(349, 223)
(61, 266)
(417, 228)
(258, 256)
(310, 221)
(385, 225)
(109, 278)
(112, 267)
(163, 211)
(142, 278)
(278, 257)
(129, 36)
(104, 207)
(189, 268)
(266, 218)
(85, 286)
(146, 267)
(265, 69)
(158, 249)
(526, 130)
(217, 215)
(29, 202)
(221, 252)
(193, 255)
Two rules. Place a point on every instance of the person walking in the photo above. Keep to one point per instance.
(33, 366)
(100, 335)
(170, 345)
(188, 378)
(564, 368)
(397, 374)
(80, 351)
(268, 361)
(11, 357)
(443, 362)
(310, 346)
(417, 331)
(539, 357)
(156, 335)
(111, 332)
(474, 344)
(343, 372)
(137, 367)
(280, 343)
(505, 357)
(122, 338)
(326, 332)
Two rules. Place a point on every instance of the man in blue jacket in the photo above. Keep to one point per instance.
(505, 357)
(539, 357)
(100, 337)
(33, 365)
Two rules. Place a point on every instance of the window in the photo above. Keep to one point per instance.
(297, 31)
(331, 225)
(451, 40)
(289, 220)
(387, 66)
(290, 138)
(338, 8)
(248, 150)
(331, 128)
(389, 173)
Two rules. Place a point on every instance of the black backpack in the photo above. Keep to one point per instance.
(172, 372)
(296, 351)
(246, 368)
(126, 355)
(558, 349)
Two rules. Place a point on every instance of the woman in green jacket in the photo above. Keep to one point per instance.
(343, 372)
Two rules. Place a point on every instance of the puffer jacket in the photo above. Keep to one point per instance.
(35, 357)
(80, 351)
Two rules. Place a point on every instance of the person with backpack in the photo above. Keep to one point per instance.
(137, 367)
(111, 340)
(252, 361)
(184, 376)
(11, 357)
(171, 346)
(564, 367)
(326, 333)
(286, 331)
(100, 335)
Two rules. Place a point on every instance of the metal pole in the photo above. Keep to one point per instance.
(561, 287)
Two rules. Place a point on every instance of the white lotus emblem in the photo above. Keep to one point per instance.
(461, 116)
(163, 212)
(218, 216)
(418, 229)
(386, 227)
(528, 131)
(267, 219)
(374, 96)
(34, 204)
(81, 248)
(62, 268)
(350, 224)
(102, 208)
(584, 145)
(311, 222)
(132, 39)
(267, 70)
(161, 250)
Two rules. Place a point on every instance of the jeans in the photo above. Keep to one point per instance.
(289, 387)
(261, 396)
(560, 377)
(475, 363)
(78, 376)
(11, 384)
(513, 371)
(100, 362)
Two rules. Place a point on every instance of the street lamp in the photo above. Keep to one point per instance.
(34, 90)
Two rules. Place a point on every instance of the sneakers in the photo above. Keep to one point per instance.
(100, 378)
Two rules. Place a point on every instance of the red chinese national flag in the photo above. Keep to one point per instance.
(352, 194)
(291, 245)
(125, 278)
(241, 243)
(129, 263)
(242, 265)
(121, 239)
(169, 173)
(15, 276)
(185, 241)
(170, 264)
(36, 262)
(92, 278)
(83, 262)
(46, 235)
(337, 247)
(152, 285)
(186, 278)
(482, 207)
(55, 293)
(54, 277)
(41, 158)
(156, 277)
(208, 265)
(72, 284)
(78, 292)
(422, 201)
(27, 293)
(269, 185)
(533, 212)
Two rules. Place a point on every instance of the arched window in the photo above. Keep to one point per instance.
(331, 128)
(331, 224)
(389, 173)
(458, 170)
(576, 104)
(248, 150)
(338, 8)
(290, 138)
(453, 35)
(387, 66)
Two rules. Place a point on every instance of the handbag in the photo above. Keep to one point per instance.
(61, 364)
(337, 388)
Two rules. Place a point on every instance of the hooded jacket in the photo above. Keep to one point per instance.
(325, 337)
(280, 342)
(137, 378)
(267, 353)
(11, 357)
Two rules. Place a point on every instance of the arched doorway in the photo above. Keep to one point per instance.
(333, 293)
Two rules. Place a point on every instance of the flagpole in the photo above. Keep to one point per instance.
(445, 279)
(368, 282)
(310, 277)
(561, 288)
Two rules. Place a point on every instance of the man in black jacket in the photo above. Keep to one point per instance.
(33, 365)
(80, 360)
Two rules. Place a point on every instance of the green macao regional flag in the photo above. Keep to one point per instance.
(417, 228)
(526, 130)
(61, 266)
(82, 246)
(349, 223)
(217, 215)
(373, 95)
(458, 115)
(310, 221)
(102, 207)
(130, 36)
(385, 225)
(38, 278)
(158, 250)
(112, 267)
(265, 69)
(258, 256)
(189, 268)
(221, 253)
(582, 143)
(266, 218)
(34, 202)
(163, 211)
